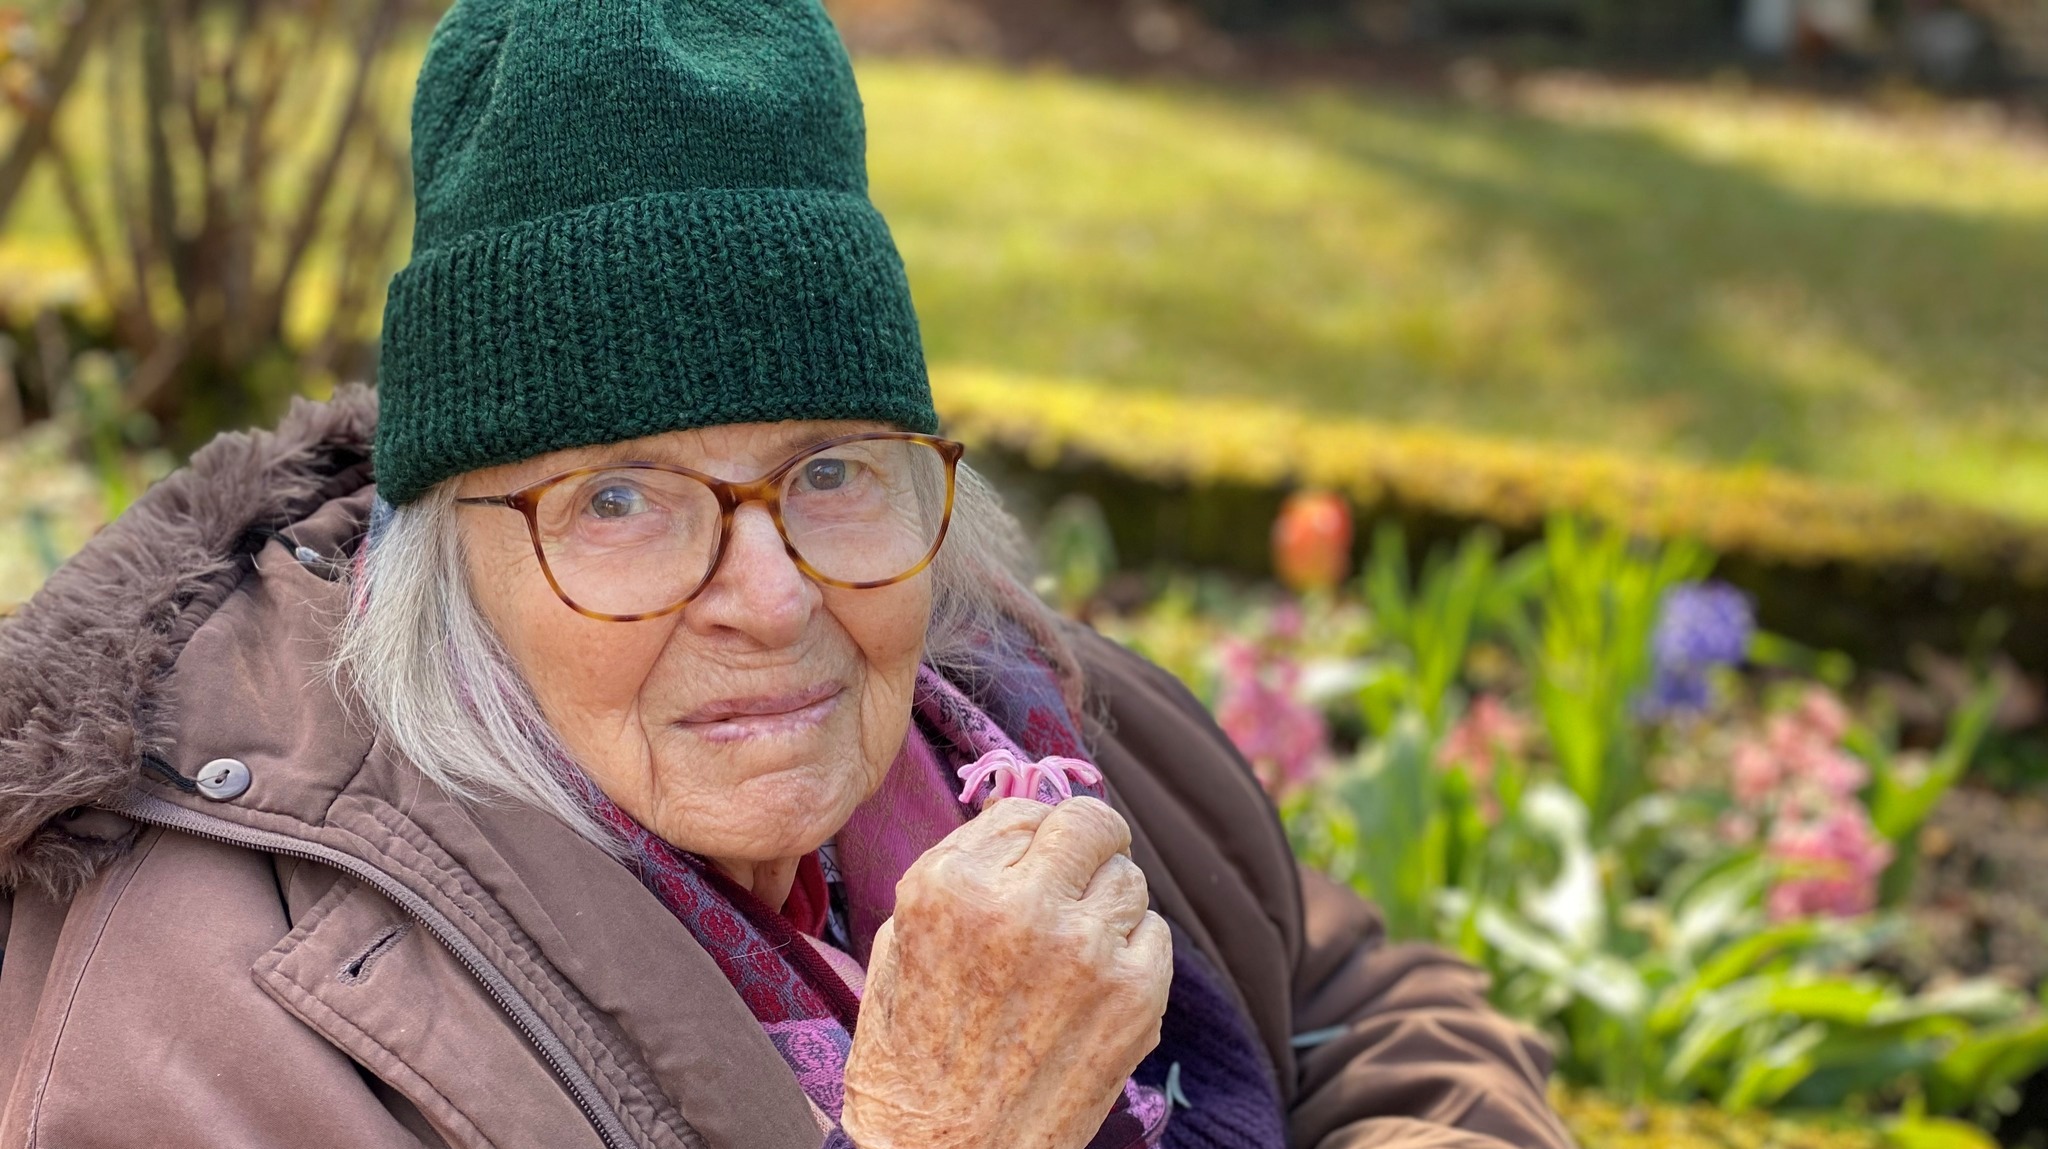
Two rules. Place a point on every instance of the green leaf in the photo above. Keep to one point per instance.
(1860, 1062)
(1393, 794)
(1988, 1061)
(1712, 1027)
(1978, 1001)
(1769, 1075)
(1590, 656)
(1901, 802)
(1429, 624)
(1844, 1000)
(1740, 959)
(1721, 901)
(1386, 580)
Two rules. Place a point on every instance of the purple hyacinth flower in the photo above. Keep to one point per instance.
(1700, 625)
(1674, 691)
(1703, 624)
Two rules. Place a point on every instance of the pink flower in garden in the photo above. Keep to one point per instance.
(1796, 778)
(1737, 828)
(1489, 729)
(1754, 773)
(1049, 779)
(1287, 621)
(1799, 760)
(1831, 864)
(1820, 766)
(1260, 708)
(1823, 714)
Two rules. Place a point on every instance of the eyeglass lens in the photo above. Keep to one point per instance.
(635, 540)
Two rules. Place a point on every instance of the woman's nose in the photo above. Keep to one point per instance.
(757, 589)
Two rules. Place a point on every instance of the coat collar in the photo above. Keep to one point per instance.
(85, 665)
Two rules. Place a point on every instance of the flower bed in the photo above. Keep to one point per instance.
(1684, 848)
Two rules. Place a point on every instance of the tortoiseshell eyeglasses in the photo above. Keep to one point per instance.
(628, 541)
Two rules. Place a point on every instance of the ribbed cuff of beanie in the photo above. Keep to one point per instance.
(642, 316)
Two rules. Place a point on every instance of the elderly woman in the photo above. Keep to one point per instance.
(658, 749)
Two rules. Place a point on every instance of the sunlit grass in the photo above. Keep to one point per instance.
(1683, 272)
(1704, 274)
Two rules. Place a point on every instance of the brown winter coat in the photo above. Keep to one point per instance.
(342, 955)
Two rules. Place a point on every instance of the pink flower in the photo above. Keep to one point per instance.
(1259, 707)
(1489, 730)
(1823, 714)
(1049, 780)
(1287, 622)
(1799, 760)
(1829, 770)
(1737, 828)
(1831, 864)
(1798, 786)
(1754, 773)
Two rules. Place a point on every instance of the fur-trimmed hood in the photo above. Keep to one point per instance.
(83, 666)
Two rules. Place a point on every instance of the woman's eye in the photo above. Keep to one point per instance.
(827, 474)
(616, 502)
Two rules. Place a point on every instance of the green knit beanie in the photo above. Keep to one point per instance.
(636, 216)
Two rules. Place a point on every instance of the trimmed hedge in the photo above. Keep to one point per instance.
(1754, 512)
(1599, 1123)
(1197, 482)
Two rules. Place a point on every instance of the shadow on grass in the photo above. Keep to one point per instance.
(1925, 313)
(1495, 270)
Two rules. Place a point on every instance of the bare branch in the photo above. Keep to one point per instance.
(369, 51)
(36, 127)
(262, 105)
(79, 209)
(147, 385)
(365, 240)
(160, 187)
(137, 312)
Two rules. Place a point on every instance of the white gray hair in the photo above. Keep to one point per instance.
(442, 689)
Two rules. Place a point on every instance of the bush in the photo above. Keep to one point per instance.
(1757, 512)
(1198, 481)
(1601, 1123)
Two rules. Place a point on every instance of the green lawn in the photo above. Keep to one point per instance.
(1709, 275)
(1684, 273)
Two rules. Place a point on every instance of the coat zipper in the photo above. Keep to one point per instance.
(157, 812)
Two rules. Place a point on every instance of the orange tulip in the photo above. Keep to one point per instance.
(1312, 541)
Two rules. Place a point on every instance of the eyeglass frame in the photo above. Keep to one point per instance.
(731, 497)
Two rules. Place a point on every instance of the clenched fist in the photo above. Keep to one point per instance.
(1020, 982)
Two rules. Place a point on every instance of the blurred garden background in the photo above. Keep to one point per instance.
(1592, 455)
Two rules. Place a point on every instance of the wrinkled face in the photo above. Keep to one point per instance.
(745, 726)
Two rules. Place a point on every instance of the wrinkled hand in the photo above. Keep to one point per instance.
(1020, 982)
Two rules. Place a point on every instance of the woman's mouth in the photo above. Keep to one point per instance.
(763, 716)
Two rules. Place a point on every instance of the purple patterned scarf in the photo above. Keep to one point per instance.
(792, 983)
